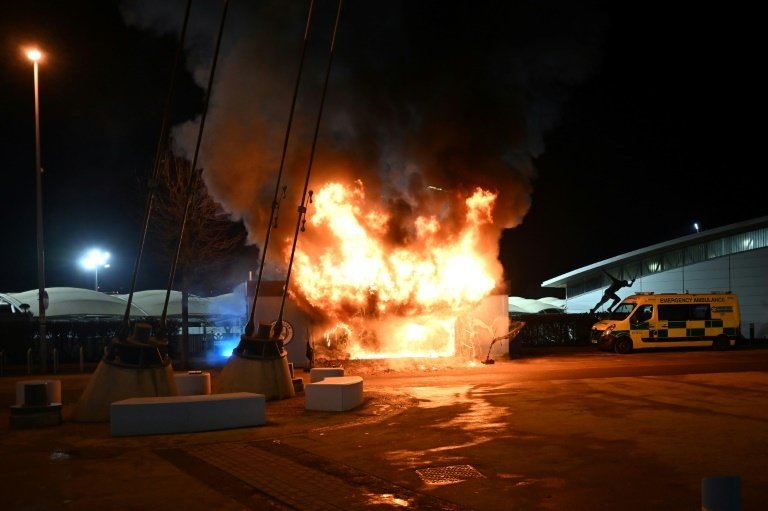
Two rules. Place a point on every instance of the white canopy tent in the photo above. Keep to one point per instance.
(549, 304)
(73, 301)
(76, 302)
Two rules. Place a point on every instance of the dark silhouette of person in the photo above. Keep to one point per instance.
(310, 354)
(610, 292)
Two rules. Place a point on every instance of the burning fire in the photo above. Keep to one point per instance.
(386, 299)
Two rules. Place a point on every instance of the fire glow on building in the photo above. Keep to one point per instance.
(379, 288)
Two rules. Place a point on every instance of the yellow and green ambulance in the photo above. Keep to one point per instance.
(667, 320)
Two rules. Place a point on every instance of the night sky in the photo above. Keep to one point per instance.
(605, 128)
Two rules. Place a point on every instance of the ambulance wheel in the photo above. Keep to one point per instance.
(721, 343)
(623, 345)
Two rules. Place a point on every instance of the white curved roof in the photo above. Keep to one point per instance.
(74, 301)
(517, 304)
(153, 302)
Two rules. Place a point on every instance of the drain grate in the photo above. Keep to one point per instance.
(449, 475)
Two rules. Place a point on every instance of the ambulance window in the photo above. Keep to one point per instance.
(673, 312)
(644, 313)
(700, 311)
(622, 311)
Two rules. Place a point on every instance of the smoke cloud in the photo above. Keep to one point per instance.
(426, 100)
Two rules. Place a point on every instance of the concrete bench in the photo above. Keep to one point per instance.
(319, 373)
(335, 394)
(187, 414)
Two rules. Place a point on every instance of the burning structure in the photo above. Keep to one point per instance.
(318, 340)
(357, 294)
(379, 288)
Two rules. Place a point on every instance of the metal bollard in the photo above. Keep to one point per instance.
(82, 360)
(29, 360)
(55, 361)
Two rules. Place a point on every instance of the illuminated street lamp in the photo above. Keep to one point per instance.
(34, 55)
(94, 260)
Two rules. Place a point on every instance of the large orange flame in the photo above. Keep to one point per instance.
(383, 299)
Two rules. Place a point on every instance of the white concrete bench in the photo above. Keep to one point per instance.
(187, 414)
(193, 383)
(335, 394)
(319, 373)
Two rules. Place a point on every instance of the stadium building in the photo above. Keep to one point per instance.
(731, 258)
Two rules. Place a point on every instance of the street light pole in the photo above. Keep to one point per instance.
(34, 56)
(104, 265)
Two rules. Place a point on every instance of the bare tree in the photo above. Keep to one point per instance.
(210, 240)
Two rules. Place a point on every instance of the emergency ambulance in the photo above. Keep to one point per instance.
(666, 320)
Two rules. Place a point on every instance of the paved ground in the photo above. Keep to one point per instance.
(562, 431)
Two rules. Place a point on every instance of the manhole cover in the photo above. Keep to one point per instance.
(448, 475)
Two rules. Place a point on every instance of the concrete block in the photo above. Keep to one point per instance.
(193, 383)
(721, 493)
(52, 387)
(187, 414)
(319, 373)
(336, 394)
